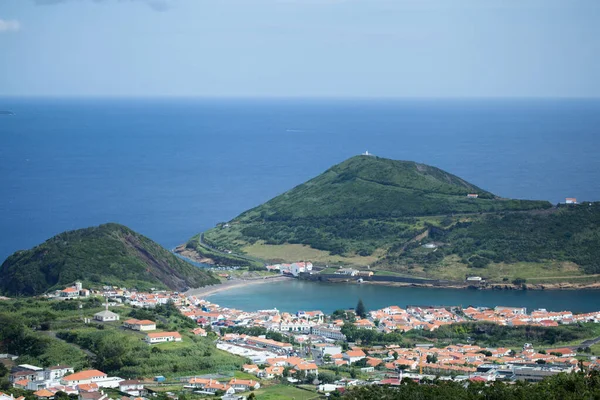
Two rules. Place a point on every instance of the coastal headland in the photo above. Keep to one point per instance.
(405, 219)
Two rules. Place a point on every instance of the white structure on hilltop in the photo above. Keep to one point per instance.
(366, 153)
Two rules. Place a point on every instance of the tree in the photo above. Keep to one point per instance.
(361, 310)
(252, 396)
(360, 363)
(327, 377)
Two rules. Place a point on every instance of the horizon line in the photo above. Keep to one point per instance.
(285, 97)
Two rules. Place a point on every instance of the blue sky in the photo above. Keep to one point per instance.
(339, 48)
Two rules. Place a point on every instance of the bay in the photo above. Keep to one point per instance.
(170, 168)
(294, 295)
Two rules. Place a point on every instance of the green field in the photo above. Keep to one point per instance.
(451, 268)
(283, 392)
(297, 252)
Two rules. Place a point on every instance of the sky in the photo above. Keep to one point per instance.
(300, 48)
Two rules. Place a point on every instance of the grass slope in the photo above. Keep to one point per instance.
(373, 187)
(562, 243)
(358, 211)
(374, 211)
(106, 254)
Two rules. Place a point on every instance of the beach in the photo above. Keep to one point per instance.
(236, 283)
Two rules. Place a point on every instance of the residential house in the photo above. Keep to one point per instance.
(44, 394)
(200, 332)
(162, 337)
(354, 355)
(307, 368)
(86, 376)
(92, 396)
(250, 368)
(140, 325)
(132, 387)
(272, 372)
(243, 385)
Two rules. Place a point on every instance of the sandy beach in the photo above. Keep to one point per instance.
(210, 290)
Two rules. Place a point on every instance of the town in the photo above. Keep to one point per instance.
(304, 347)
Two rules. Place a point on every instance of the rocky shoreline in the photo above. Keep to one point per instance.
(193, 255)
(498, 286)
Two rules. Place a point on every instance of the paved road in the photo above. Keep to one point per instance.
(583, 345)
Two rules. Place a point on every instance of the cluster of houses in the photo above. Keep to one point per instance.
(293, 269)
(212, 386)
(75, 291)
(89, 384)
(514, 316)
(317, 339)
(394, 318)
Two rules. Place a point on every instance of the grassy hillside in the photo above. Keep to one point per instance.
(357, 211)
(45, 333)
(107, 254)
(373, 187)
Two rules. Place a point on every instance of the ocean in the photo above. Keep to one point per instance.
(170, 168)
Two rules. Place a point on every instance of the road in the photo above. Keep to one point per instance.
(583, 345)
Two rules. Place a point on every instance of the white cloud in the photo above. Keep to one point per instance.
(9, 25)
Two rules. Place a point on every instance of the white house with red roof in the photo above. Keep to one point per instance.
(163, 337)
(140, 325)
(83, 377)
(243, 385)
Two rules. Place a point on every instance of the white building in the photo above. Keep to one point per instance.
(346, 271)
(140, 325)
(106, 316)
(83, 377)
(330, 332)
(162, 337)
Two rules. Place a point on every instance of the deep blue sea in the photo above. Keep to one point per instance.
(170, 168)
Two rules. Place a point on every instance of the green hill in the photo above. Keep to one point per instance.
(106, 254)
(379, 212)
(374, 187)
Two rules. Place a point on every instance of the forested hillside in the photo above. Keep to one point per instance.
(106, 254)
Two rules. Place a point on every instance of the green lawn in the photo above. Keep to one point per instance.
(299, 252)
(244, 375)
(452, 269)
(185, 342)
(280, 392)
